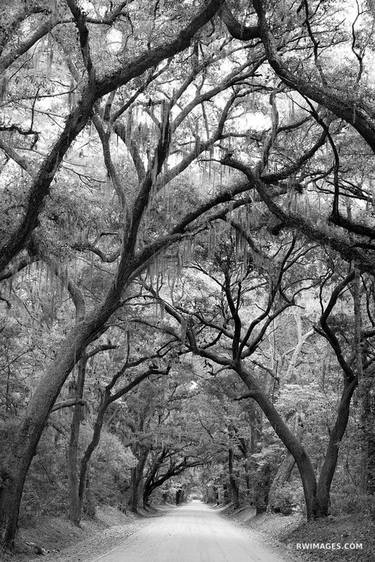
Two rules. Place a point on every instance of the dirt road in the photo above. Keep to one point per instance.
(192, 533)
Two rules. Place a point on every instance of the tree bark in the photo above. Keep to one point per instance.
(85, 461)
(285, 469)
(136, 489)
(262, 489)
(366, 430)
(330, 461)
(283, 474)
(148, 487)
(371, 441)
(233, 486)
(89, 503)
(10, 498)
(75, 507)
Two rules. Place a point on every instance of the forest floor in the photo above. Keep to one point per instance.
(349, 538)
(60, 540)
(270, 528)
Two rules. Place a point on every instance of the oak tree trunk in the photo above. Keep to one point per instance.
(91, 447)
(75, 504)
(367, 433)
(282, 476)
(136, 486)
(89, 506)
(233, 486)
(262, 488)
(330, 461)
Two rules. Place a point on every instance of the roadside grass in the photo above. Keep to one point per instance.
(292, 530)
(344, 530)
(270, 527)
(49, 536)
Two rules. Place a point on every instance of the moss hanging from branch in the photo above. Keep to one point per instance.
(49, 55)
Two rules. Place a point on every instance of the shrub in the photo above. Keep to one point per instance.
(287, 499)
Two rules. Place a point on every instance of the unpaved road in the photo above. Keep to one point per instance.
(192, 533)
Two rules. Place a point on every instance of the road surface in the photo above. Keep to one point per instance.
(191, 533)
